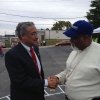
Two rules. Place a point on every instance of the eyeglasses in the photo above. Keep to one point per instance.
(35, 33)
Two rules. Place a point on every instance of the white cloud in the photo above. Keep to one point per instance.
(41, 8)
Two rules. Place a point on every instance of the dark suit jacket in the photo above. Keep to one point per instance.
(26, 83)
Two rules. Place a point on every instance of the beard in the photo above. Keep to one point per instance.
(74, 47)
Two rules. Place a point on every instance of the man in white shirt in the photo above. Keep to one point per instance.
(82, 73)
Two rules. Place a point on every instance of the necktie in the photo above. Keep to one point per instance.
(34, 58)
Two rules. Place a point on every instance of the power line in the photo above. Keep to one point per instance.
(18, 22)
(38, 17)
(8, 21)
(18, 15)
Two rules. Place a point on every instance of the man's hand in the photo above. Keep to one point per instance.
(53, 81)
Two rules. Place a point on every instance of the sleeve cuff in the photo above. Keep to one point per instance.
(46, 82)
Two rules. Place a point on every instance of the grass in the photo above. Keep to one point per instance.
(52, 41)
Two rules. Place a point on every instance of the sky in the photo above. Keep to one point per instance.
(44, 13)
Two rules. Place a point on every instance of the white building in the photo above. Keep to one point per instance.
(51, 34)
(55, 34)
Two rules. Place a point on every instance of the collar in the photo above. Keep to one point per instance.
(26, 47)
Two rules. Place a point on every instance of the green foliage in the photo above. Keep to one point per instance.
(96, 38)
(61, 24)
(52, 41)
(94, 13)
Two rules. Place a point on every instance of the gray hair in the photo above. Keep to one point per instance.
(21, 28)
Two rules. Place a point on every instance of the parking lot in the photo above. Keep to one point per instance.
(53, 60)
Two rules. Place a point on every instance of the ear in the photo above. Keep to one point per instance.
(87, 39)
(23, 37)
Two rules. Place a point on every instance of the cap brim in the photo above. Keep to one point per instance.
(70, 32)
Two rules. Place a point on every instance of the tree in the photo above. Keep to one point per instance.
(61, 24)
(94, 13)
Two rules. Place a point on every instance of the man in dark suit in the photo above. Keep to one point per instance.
(24, 66)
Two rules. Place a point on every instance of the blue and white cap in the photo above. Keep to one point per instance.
(79, 27)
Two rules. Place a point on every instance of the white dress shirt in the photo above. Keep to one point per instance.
(38, 62)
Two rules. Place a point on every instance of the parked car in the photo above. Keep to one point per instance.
(63, 43)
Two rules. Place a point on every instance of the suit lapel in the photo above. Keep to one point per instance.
(26, 56)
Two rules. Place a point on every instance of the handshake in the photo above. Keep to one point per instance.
(53, 82)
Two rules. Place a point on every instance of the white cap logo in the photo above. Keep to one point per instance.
(75, 27)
